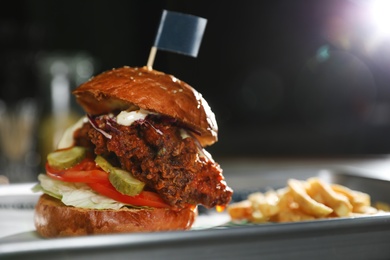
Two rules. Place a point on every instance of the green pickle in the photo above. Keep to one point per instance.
(122, 180)
(63, 159)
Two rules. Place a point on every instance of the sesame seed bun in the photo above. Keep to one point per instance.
(126, 87)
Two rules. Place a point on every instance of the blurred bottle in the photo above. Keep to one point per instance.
(19, 158)
(59, 74)
(19, 106)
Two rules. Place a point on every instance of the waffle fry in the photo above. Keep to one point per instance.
(304, 200)
(264, 206)
(325, 194)
(356, 198)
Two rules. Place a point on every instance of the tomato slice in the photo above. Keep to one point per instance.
(145, 198)
(86, 171)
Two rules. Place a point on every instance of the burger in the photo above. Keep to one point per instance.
(136, 162)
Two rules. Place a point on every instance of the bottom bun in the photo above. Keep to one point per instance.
(54, 219)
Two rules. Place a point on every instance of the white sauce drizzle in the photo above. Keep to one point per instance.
(127, 118)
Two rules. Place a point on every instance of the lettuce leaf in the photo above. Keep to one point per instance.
(75, 194)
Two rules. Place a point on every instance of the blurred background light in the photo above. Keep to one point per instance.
(379, 11)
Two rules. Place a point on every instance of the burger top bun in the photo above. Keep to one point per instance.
(126, 87)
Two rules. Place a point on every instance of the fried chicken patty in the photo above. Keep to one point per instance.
(154, 151)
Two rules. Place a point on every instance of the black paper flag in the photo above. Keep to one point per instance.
(178, 32)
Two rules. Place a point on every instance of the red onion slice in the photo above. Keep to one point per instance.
(110, 126)
(95, 125)
(145, 121)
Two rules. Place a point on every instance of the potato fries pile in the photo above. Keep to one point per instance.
(302, 200)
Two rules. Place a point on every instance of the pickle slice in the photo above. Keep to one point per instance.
(104, 164)
(125, 183)
(64, 159)
(122, 180)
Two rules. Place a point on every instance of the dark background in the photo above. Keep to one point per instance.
(284, 78)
